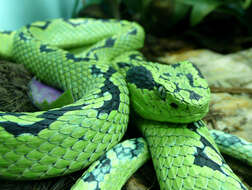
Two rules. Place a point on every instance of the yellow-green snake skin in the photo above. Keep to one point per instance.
(98, 61)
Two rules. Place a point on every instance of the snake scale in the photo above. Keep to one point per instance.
(98, 61)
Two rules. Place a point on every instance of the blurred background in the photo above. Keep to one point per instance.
(16, 13)
(206, 22)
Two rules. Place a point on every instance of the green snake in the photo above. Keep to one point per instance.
(98, 61)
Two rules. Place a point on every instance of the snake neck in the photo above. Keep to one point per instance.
(189, 155)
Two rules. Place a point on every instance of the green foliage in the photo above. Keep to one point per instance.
(142, 10)
(200, 9)
(132, 5)
(135, 8)
(87, 3)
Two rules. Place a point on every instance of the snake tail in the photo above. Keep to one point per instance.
(186, 157)
(233, 146)
(114, 168)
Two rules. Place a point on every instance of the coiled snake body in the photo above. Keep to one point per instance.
(98, 61)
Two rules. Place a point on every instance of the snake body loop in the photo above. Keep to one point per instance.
(59, 141)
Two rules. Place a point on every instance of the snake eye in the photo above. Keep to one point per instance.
(162, 92)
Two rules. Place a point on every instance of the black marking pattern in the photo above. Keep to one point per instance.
(49, 117)
(174, 105)
(175, 65)
(123, 64)
(193, 95)
(201, 159)
(136, 57)
(6, 32)
(179, 74)
(189, 76)
(141, 77)
(109, 86)
(199, 72)
(165, 76)
(75, 24)
(133, 32)
(10, 113)
(45, 26)
(123, 152)
(108, 43)
(23, 37)
(104, 167)
(44, 48)
(70, 56)
(228, 141)
(99, 172)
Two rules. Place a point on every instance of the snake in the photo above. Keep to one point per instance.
(99, 61)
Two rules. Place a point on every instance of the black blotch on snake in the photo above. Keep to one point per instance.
(75, 24)
(110, 87)
(70, 56)
(123, 64)
(200, 157)
(49, 117)
(141, 77)
(44, 48)
(108, 43)
(47, 23)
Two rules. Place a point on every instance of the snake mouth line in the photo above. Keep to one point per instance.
(187, 119)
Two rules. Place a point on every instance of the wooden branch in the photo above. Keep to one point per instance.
(233, 90)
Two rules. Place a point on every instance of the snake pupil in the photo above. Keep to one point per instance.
(162, 92)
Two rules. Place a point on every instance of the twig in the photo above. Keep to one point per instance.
(233, 90)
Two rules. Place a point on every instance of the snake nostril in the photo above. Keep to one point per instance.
(174, 105)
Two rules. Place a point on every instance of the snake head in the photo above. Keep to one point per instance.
(170, 93)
